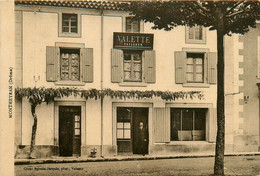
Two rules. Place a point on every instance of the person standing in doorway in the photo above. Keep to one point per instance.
(142, 139)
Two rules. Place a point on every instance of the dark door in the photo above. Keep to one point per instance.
(140, 131)
(69, 130)
(130, 138)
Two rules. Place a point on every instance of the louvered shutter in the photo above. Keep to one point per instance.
(52, 58)
(116, 65)
(87, 64)
(180, 65)
(212, 125)
(161, 124)
(212, 67)
(149, 66)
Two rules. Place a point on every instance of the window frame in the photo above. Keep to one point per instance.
(205, 67)
(77, 46)
(210, 123)
(132, 66)
(195, 41)
(193, 121)
(69, 34)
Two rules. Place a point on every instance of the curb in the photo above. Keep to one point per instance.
(127, 158)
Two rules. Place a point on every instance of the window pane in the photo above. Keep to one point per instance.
(127, 66)
(191, 33)
(123, 114)
(120, 125)
(132, 25)
(127, 125)
(199, 69)
(77, 131)
(137, 67)
(77, 118)
(199, 77)
(127, 75)
(189, 77)
(137, 76)
(77, 125)
(187, 119)
(199, 61)
(175, 124)
(190, 60)
(189, 68)
(200, 120)
(127, 134)
(120, 134)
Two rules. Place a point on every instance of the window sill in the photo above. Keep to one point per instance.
(188, 143)
(133, 84)
(202, 85)
(195, 41)
(69, 83)
(71, 35)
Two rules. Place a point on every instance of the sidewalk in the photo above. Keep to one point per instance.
(122, 158)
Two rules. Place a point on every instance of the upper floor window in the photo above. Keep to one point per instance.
(70, 66)
(132, 25)
(196, 34)
(195, 67)
(69, 25)
(132, 65)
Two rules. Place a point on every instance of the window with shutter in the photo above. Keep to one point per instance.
(69, 66)
(195, 68)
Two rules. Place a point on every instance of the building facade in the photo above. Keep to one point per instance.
(98, 45)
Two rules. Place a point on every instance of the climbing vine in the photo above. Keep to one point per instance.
(38, 95)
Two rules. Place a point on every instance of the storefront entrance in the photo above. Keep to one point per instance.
(132, 130)
(69, 130)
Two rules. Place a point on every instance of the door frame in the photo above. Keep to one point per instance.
(83, 120)
(133, 105)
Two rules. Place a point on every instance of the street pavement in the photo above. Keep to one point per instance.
(234, 165)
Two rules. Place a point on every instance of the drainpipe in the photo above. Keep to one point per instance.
(101, 81)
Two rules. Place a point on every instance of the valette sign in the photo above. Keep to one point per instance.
(133, 40)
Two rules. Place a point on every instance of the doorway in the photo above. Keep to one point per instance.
(132, 130)
(69, 130)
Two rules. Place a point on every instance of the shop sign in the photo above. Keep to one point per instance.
(133, 40)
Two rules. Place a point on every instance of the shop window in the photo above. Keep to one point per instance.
(132, 66)
(123, 124)
(69, 65)
(195, 67)
(196, 34)
(132, 24)
(188, 124)
(69, 25)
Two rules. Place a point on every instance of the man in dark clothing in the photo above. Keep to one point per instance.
(142, 139)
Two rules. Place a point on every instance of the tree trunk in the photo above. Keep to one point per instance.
(34, 127)
(220, 142)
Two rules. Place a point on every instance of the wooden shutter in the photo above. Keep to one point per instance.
(87, 64)
(149, 66)
(212, 67)
(52, 58)
(212, 124)
(116, 65)
(180, 65)
(161, 124)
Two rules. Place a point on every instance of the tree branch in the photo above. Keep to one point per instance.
(236, 13)
(198, 4)
(236, 5)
